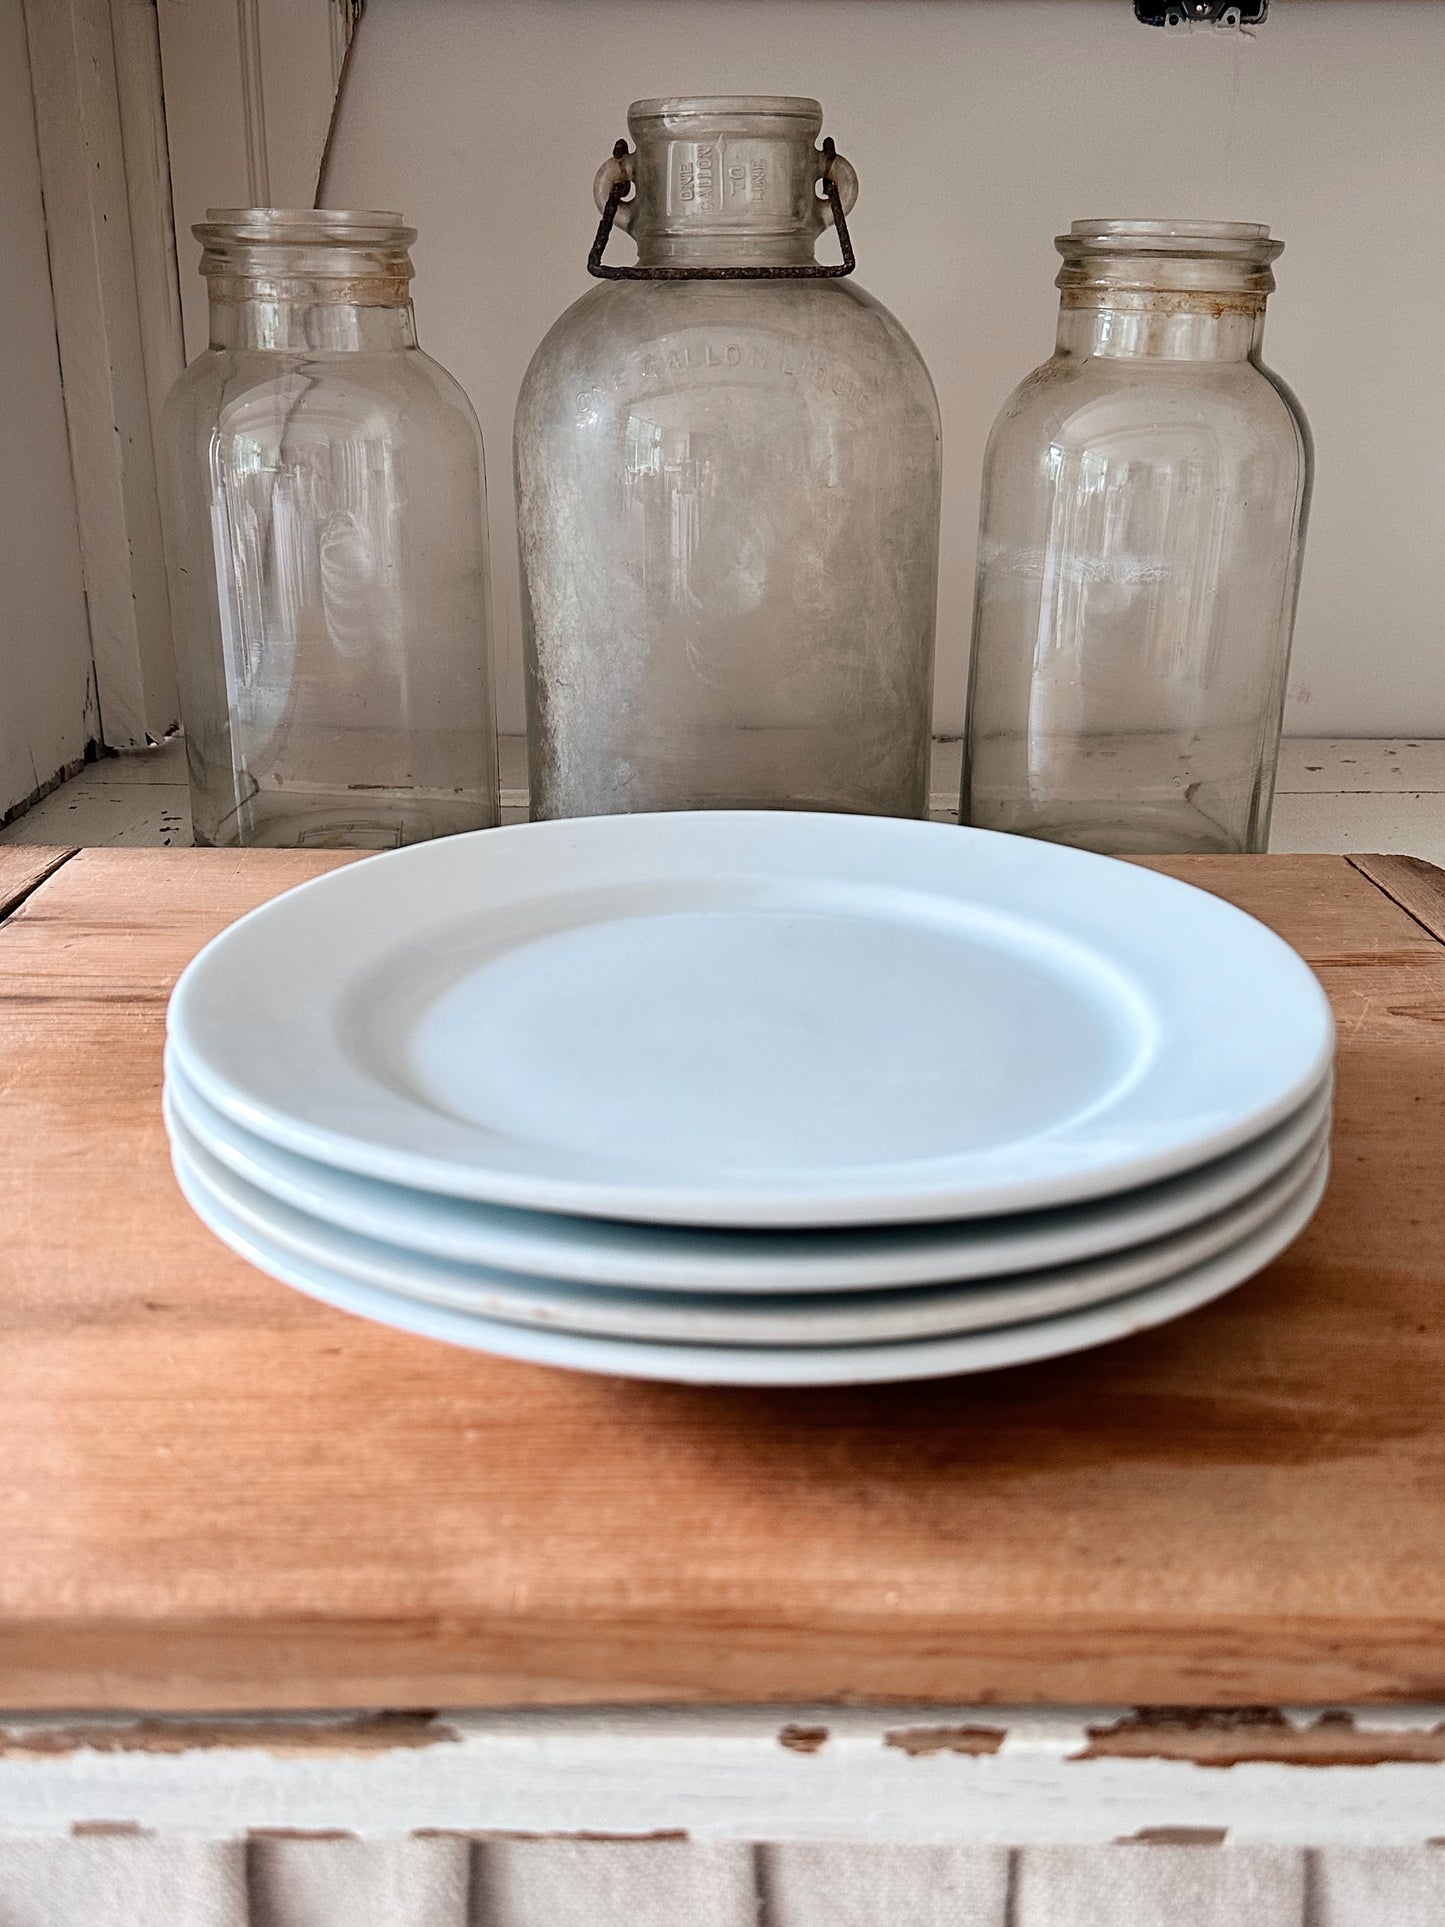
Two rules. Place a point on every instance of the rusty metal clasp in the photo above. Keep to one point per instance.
(613, 190)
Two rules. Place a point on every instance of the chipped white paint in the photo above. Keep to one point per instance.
(722, 1775)
(1363, 766)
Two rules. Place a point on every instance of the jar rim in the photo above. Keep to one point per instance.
(305, 226)
(1244, 241)
(708, 106)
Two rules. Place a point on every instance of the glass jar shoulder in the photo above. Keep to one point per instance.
(196, 393)
(626, 338)
(1075, 404)
(395, 393)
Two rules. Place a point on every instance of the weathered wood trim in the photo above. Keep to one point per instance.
(148, 194)
(729, 1776)
(77, 89)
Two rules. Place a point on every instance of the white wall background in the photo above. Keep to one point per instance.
(45, 707)
(980, 129)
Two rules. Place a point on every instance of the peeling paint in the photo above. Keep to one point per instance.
(105, 1829)
(1236, 1736)
(359, 1733)
(301, 1833)
(803, 1739)
(1174, 1837)
(564, 1833)
(921, 1741)
(670, 1774)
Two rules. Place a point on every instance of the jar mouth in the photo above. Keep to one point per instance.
(1246, 241)
(1227, 230)
(348, 255)
(1167, 257)
(726, 106)
(305, 227)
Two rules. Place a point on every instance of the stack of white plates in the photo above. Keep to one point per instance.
(752, 1098)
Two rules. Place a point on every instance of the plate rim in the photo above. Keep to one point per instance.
(1149, 1262)
(580, 1264)
(818, 844)
(1003, 1346)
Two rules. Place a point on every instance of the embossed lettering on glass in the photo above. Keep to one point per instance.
(323, 497)
(1144, 501)
(727, 495)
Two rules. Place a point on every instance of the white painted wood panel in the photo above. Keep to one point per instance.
(1411, 825)
(47, 709)
(358, 1883)
(107, 403)
(1368, 1887)
(726, 1778)
(801, 1884)
(1349, 766)
(615, 1883)
(148, 195)
(135, 1881)
(1200, 1886)
(119, 1881)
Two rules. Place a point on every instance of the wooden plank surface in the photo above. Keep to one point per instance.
(1418, 887)
(23, 867)
(218, 1494)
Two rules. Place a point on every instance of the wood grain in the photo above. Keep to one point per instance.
(218, 1494)
(1418, 887)
(23, 867)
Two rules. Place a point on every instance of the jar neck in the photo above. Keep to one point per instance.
(1130, 325)
(1164, 290)
(300, 324)
(322, 280)
(725, 182)
(725, 250)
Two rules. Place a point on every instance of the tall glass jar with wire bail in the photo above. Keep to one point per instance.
(323, 499)
(1144, 501)
(727, 477)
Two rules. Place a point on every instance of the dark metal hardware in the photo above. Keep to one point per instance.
(805, 271)
(1214, 13)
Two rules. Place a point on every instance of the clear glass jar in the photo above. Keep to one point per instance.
(1144, 501)
(323, 500)
(728, 500)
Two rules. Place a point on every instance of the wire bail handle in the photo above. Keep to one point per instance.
(615, 195)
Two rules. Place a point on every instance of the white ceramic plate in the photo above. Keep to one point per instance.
(752, 1018)
(601, 1251)
(852, 1318)
(740, 1365)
